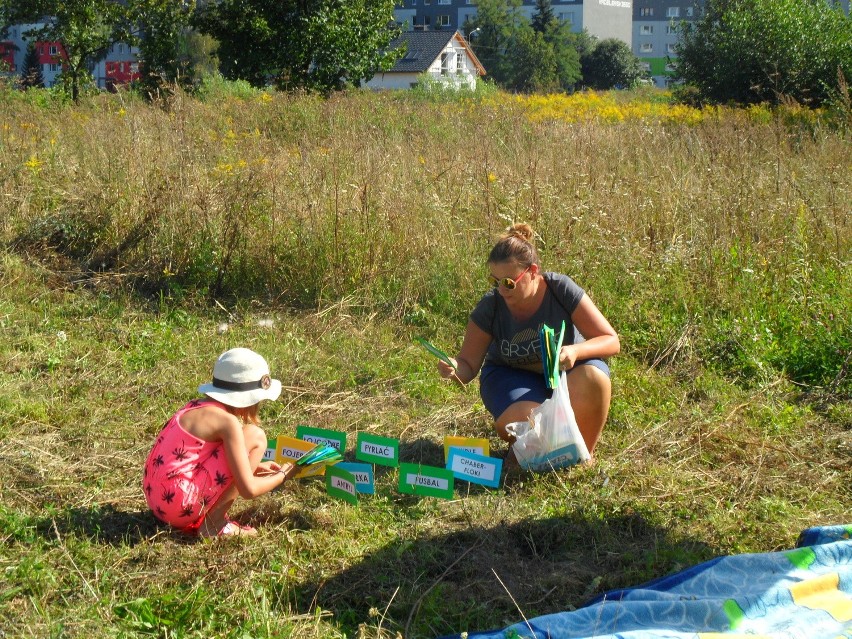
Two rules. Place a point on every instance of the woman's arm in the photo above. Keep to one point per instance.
(601, 339)
(470, 357)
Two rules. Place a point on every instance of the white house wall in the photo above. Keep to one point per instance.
(467, 77)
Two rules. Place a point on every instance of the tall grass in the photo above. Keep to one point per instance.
(726, 230)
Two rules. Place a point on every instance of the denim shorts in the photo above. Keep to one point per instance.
(502, 386)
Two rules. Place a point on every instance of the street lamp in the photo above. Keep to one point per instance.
(472, 33)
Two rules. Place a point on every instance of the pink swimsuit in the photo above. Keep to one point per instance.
(184, 475)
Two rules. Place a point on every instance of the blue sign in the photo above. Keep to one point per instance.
(477, 469)
(363, 473)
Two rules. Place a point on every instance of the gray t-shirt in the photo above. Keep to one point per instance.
(517, 343)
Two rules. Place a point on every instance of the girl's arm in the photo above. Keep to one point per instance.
(237, 442)
(601, 339)
(470, 357)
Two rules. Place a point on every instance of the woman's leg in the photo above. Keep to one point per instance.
(216, 517)
(590, 391)
(517, 412)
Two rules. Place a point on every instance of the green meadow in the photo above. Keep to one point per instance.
(139, 241)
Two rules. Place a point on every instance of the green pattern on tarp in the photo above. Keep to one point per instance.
(734, 613)
(802, 558)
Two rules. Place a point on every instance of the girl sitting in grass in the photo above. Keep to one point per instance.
(210, 451)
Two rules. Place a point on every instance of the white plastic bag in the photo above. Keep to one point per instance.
(551, 438)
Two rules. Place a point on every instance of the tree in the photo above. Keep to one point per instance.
(751, 51)
(495, 29)
(534, 68)
(519, 56)
(315, 44)
(31, 76)
(84, 28)
(163, 28)
(543, 18)
(610, 64)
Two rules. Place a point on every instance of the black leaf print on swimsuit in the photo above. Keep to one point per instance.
(180, 453)
(158, 461)
(168, 495)
(187, 511)
(160, 513)
(221, 478)
(215, 453)
(148, 488)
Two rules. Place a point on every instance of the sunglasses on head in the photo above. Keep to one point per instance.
(506, 282)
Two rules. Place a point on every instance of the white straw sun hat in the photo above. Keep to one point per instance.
(241, 379)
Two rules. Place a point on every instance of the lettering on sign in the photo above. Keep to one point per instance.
(379, 451)
(322, 440)
(473, 468)
(624, 4)
(362, 478)
(292, 453)
(425, 480)
(342, 484)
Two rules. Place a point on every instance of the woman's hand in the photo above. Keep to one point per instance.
(567, 357)
(447, 371)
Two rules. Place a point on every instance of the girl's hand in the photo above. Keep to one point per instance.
(567, 358)
(267, 468)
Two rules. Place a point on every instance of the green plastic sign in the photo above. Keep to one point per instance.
(429, 481)
(322, 436)
(269, 453)
(374, 449)
(341, 484)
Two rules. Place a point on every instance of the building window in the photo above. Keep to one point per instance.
(427, 1)
(444, 1)
(443, 21)
(673, 12)
(459, 62)
(53, 49)
(53, 67)
(670, 48)
(646, 47)
(445, 63)
(689, 12)
(646, 12)
(671, 28)
(647, 29)
(566, 18)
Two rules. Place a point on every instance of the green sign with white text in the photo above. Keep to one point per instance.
(374, 449)
(341, 484)
(322, 436)
(429, 481)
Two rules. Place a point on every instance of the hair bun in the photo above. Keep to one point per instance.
(522, 231)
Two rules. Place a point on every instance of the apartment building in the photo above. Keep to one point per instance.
(655, 32)
(601, 18)
(117, 66)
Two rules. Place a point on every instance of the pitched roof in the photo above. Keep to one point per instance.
(423, 48)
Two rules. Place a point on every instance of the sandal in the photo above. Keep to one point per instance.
(231, 527)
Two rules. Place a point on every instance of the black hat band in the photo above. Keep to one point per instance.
(264, 383)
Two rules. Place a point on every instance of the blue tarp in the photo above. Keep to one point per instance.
(804, 593)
